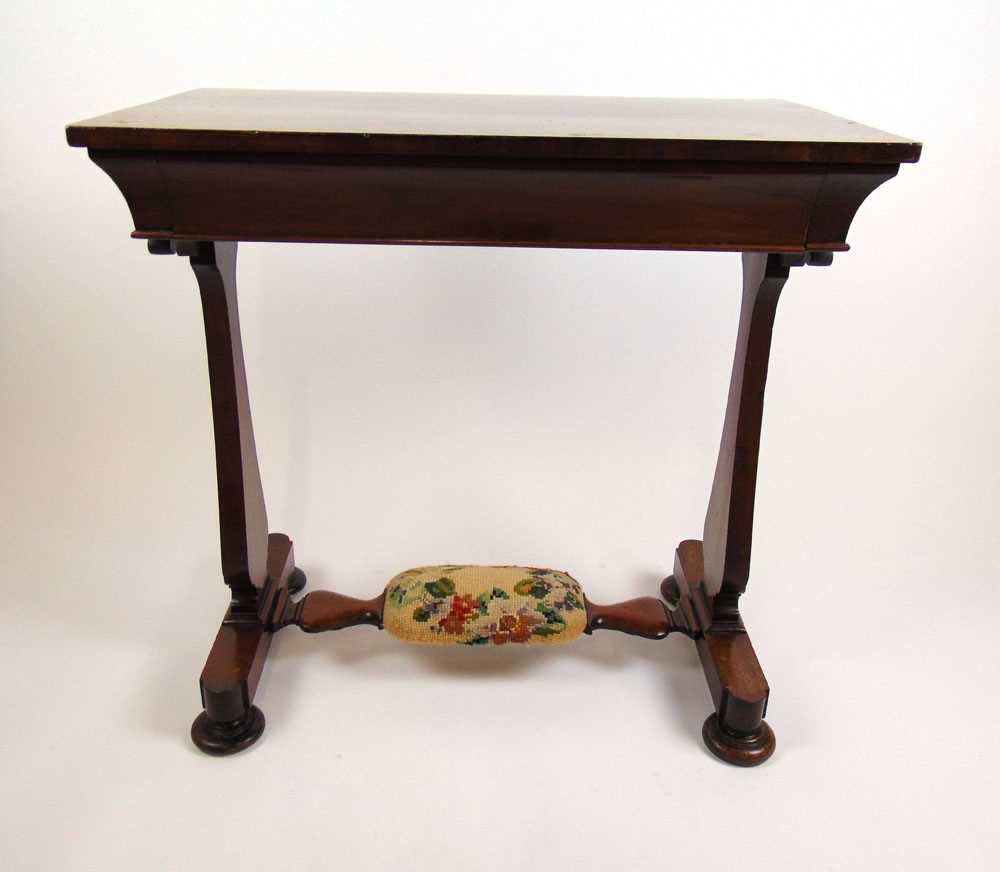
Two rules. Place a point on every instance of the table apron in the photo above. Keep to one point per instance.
(574, 204)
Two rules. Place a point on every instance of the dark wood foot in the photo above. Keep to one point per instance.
(228, 684)
(229, 680)
(750, 749)
(221, 738)
(736, 682)
(736, 732)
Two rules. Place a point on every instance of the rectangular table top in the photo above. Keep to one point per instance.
(491, 126)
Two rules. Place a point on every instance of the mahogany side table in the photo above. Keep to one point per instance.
(774, 180)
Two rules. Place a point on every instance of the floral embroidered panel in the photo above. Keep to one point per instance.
(484, 605)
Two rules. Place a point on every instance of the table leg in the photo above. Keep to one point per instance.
(258, 568)
(716, 570)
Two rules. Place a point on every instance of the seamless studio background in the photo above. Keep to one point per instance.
(555, 408)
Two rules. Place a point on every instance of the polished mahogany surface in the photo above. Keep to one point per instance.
(472, 125)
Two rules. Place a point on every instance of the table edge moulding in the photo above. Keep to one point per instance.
(776, 181)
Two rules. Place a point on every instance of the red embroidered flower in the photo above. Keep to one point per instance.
(462, 606)
(515, 628)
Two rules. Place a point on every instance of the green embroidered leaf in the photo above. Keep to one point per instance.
(499, 593)
(421, 614)
(441, 588)
(572, 601)
(546, 630)
(551, 615)
(483, 601)
(532, 587)
(397, 595)
(479, 640)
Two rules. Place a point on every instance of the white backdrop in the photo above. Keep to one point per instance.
(553, 408)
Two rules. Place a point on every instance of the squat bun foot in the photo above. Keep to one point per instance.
(222, 738)
(748, 750)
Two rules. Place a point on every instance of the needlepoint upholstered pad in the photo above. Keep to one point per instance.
(482, 605)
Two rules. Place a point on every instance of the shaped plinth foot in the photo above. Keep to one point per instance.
(751, 749)
(222, 738)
